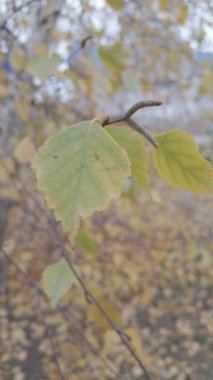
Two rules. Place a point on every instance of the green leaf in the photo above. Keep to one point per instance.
(57, 279)
(179, 162)
(80, 169)
(116, 4)
(114, 56)
(43, 66)
(133, 143)
(85, 242)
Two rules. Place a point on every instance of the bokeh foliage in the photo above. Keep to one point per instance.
(147, 259)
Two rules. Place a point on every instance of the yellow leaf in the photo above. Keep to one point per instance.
(183, 14)
(111, 339)
(40, 49)
(3, 74)
(17, 59)
(18, 335)
(146, 86)
(3, 90)
(71, 74)
(164, 4)
(207, 83)
(116, 4)
(6, 168)
(22, 108)
(114, 56)
(24, 151)
(9, 191)
(179, 162)
(2, 57)
(4, 175)
(147, 296)
(95, 316)
(136, 342)
(133, 143)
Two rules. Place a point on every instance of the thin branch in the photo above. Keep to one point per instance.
(51, 339)
(15, 10)
(39, 293)
(137, 106)
(85, 40)
(90, 298)
(108, 121)
(143, 131)
(66, 316)
(60, 309)
(127, 118)
(83, 44)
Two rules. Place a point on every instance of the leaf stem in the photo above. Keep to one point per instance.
(127, 118)
(143, 131)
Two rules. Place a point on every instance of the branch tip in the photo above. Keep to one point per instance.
(142, 104)
(85, 40)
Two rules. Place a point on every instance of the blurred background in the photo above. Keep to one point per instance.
(62, 62)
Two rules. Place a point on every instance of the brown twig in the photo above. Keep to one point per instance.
(127, 119)
(39, 293)
(82, 45)
(60, 308)
(50, 338)
(15, 10)
(137, 106)
(143, 131)
(85, 40)
(66, 316)
(90, 298)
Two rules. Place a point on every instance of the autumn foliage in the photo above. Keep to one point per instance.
(105, 190)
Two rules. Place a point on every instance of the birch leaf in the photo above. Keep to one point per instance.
(57, 278)
(133, 143)
(80, 169)
(179, 162)
(114, 56)
(116, 4)
(43, 66)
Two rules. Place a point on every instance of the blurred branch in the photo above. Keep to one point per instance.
(66, 316)
(5, 205)
(85, 40)
(143, 131)
(83, 44)
(39, 293)
(125, 339)
(60, 309)
(127, 118)
(16, 9)
(50, 338)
